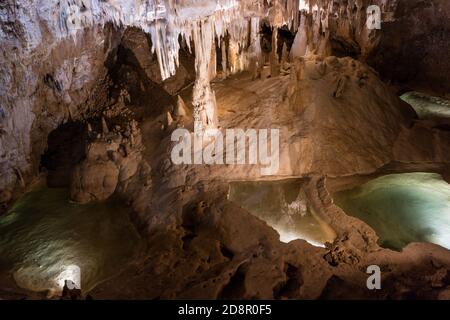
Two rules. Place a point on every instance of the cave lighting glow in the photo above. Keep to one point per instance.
(284, 207)
(287, 236)
(303, 5)
(70, 273)
(402, 208)
(46, 240)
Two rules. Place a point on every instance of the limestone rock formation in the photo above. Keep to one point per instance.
(112, 158)
(94, 181)
(352, 119)
(128, 74)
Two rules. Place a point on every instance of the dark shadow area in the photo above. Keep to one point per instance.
(66, 148)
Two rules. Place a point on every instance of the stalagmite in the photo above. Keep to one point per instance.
(20, 178)
(170, 24)
(234, 57)
(180, 109)
(284, 57)
(223, 47)
(105, 129)
(340, 87)
(169, 120)
(274, 58)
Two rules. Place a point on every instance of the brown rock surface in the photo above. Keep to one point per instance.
(204, 246)
(339, 125)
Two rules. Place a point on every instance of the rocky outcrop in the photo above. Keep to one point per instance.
(49, 76)
(407, 49)
(200, 252)
(351, 119)
(49, 63)
(336, 118)
(112, 158)
(44, 82)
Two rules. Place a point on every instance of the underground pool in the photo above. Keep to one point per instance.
(283, 206)
(427, 106)
(46, 240)
(402, 208)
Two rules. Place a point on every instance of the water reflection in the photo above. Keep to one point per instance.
(427, 106)
(402, 208)
(283, 205)
(44, 238)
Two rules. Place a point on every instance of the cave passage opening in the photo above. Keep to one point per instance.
(284, 206)
(402, 208)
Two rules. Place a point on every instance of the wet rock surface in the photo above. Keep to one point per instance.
(337, 121)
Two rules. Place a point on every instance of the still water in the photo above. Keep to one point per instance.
(427, 106)
(283, 206)
(45, 240)
(402, 208)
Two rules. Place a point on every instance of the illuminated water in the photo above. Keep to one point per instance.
(44, 239)
(427, 106)
(284, 207)
(402, 208)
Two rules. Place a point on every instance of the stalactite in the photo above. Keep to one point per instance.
(180, 109)
(166, 20)
(256, 58)
(204, 100)
(196, 21)
(301, 40)
(292, 9)
(235, 57)
(165, 48)
(213, 62)
(223, 47)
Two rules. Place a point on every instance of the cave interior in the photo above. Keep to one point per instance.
(224, 149)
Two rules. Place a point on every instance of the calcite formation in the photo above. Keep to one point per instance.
(34, 34)
(112, 158)
(91, 91)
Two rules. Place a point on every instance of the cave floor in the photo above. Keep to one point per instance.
(203, 246)
(209, 256)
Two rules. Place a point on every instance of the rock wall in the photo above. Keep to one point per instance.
(51, 72)
(408, 49)
(53, 62)
(413, 47)
(44, 81)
